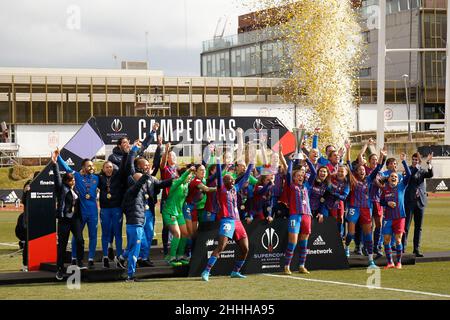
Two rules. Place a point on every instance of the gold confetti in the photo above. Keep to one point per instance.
(323, 53)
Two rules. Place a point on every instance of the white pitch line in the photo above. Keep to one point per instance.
(9, 244)
(361, 286)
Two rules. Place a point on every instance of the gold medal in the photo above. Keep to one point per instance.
(147, 207)
(108, 196)
(322, 200)
(146, 196)
(242, 207)
(88, 196)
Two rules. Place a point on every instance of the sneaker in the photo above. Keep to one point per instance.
(81, 265)
(372, 265)
(147, 263)
(59, 275)
(173, 262)
(120, 262)
(105, 262)
(205, 275)
(358, 251)
(91, 264)
(303, 270)
(111, 253)
(377, 253)
(398, 265)
(24, 268)
(239, 275)
(364, 252)
(184, 262)
(132, 279)
(347, 252)
(389, 266)
(287, 270)
(418, 254)
(74, 262)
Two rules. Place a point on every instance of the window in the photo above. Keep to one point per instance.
(366, 36)
(365, 72)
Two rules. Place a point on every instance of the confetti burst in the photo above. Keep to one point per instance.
(323, 53)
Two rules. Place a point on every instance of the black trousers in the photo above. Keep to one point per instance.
(65, 227)
(413, 211)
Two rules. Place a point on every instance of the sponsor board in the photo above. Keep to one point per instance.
(267, 246)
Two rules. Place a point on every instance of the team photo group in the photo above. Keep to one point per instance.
(371, 198)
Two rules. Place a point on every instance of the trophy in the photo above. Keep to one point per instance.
(299, 134)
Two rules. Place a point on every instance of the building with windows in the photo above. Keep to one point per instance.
(257, 50)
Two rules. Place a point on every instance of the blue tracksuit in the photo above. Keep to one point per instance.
(111, 222)
(135, 234)
(148, 236)
(89, 210)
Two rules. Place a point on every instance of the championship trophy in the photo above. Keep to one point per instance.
(299, 134)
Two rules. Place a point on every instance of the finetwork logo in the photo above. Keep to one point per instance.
(442, 186)
(210, 242)
(270, 239)
(319, 241)
(116, 125)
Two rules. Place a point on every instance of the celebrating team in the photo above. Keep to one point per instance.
(309, 187)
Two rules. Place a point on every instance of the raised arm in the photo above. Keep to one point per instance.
(219, 174)
(263, 145)
(282, 158)
(150, 138)
(289, 171)
(64, 165)
(157, 158)
(178, 182)
(165, 156)
(374, 173)
(429, 174)
(312, 170)
(407, 170)
(56, 175)
(129, 167)
(240, 145)
(252, 159)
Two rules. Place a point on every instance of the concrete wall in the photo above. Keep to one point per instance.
(367, 120)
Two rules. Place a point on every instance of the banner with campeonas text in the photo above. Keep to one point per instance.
(267, 246)
(97, 132)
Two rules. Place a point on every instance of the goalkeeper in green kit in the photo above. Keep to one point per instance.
(173, 217)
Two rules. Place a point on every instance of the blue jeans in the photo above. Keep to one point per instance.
(111, 222)
(91, 219)
(135, 234)
(148, 236)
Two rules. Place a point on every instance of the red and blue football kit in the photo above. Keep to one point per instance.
(230, 223)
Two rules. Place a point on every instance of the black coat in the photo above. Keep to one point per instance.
(64, 198)
(135, 202)
(416, 187)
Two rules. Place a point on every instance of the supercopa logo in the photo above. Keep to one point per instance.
(270, 239)
(116, 125)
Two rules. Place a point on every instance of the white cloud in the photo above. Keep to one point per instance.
(35, 33)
